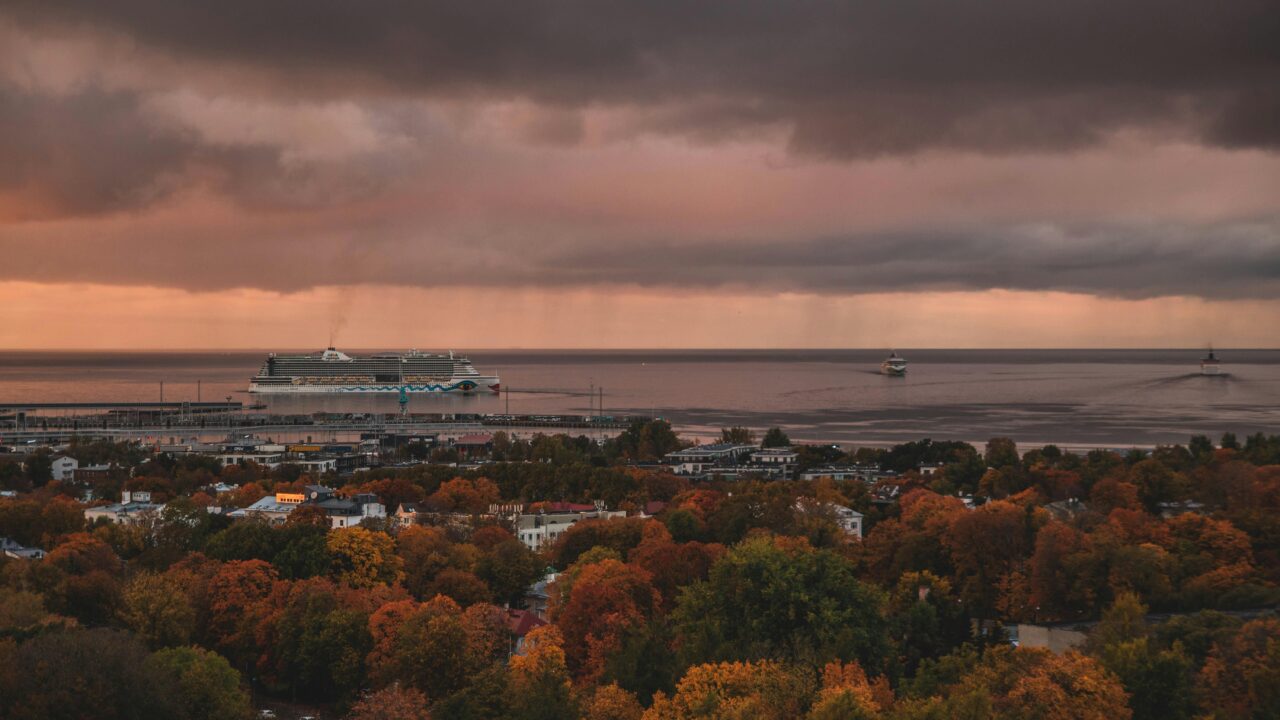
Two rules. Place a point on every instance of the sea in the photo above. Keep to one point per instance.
(1073, 398)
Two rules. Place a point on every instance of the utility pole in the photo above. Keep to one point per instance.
(197, 391)
(161, 391)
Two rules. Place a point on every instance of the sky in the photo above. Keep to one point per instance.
(574, 173)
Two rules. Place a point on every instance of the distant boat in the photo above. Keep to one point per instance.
(894, 365)
(1210, 364)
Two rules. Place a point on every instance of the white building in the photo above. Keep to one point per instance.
(539, 530)
(849, 520)
(133, 508)
(64, 467)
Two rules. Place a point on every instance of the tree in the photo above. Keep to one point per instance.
(1158, 681)
(235, 591)
(463, 495)
(425, 552)
(769, 598)
(96, 674)
(848, 695)
(363, 558)
(1001, 453)
(610, 702)
(1010, 683)
(775, 438)
(540, 688)
(204, 685)
(1241, 677)
(464, 587)
(156, 608)
(738, 436)
(508, 568)
(607, 600)
(731, 691)
(433, 646)
(245, 540)
(391, 703)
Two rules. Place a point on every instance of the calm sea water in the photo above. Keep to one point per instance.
(1108, 398)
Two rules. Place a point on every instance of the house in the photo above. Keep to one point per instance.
(928, 469)
(405, 515)
(134, 507)
(692, 460)
(848, 519)
(776, 462)
(274, 509)
(63, 467)
(349, 512)
(538, 595)
(539, 530)
(90, 473)
(474, 444)
(521, 623)
(12, 549)
(1066, 509)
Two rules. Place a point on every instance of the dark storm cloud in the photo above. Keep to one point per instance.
(1225, 260)
(1235, 259)
(85, 153)
(92, 152)
(848, 79)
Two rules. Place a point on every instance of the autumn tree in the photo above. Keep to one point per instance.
(729, 691)
(156, 608)
(608, 599)
(363, 558)
(610, 702)
(97, 674)
(391, 703)
(1241, 677)
(539, 678)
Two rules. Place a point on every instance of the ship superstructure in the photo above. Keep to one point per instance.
(1210, 364)
(894, 365)
(333, 371)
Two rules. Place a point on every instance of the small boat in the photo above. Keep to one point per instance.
(894, 365)
(1210, 364)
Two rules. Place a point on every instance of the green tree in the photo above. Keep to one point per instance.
(156, 608)
(775, 437)
(1002, 452)
(774, 599)
(738, 436)
(204, 685)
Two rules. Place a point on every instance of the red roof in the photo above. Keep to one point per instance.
(522, 622)
(474, 439)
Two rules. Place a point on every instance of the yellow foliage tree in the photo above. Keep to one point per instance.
(761, 690)
(363, 558)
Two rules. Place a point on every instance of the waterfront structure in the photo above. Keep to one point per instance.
(333, 371)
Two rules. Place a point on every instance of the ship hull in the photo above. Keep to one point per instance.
(895, 372)
(456, 386)
(1207, 369)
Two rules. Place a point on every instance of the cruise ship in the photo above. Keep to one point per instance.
(894, 365)
(333, 371)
